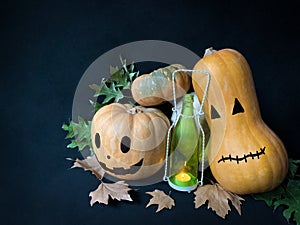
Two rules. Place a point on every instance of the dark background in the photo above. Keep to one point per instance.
(47, 45)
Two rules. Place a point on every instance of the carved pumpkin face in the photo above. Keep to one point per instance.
(129, 142)
(249, 157)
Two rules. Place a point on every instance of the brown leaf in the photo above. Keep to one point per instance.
(161, 199)
(89, 164)
(217, 198)
(118, 191)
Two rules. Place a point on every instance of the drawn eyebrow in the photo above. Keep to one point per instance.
(238, 159)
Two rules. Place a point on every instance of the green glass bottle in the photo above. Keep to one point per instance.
(184, 151)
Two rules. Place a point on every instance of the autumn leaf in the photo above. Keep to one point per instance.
(118, 191)
(89, 164)
(217, 198)
(161, 199)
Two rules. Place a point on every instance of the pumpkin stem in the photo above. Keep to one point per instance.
(209, 51)
(135, 110)
(132, 111)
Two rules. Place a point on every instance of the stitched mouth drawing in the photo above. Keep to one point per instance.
(243, 158)
(121, 171)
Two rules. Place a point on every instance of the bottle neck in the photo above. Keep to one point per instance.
(187, 108)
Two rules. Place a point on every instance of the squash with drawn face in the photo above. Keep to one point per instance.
(245, 155)
(129, 141)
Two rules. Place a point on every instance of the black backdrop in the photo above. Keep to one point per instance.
(47, 45)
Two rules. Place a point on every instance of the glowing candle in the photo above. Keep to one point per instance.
(183, 177)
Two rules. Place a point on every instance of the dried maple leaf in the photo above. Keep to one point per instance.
(118, 191)
(217, 198)
(161, 199)
(89, 164)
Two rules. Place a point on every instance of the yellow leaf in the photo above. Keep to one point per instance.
(118, 191)
(161, 199)
(89, 164)
(217, 198)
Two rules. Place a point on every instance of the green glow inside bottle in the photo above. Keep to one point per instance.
(184, 149)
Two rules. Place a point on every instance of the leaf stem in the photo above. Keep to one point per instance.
(210, 180)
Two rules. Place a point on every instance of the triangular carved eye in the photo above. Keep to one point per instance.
(237, 108)
(214, 113)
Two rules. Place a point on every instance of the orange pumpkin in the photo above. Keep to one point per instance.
(156, 87)
(129, 141)
(245, 155)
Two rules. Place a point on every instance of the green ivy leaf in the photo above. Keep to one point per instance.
(112, 69)
(119, 78)
(97, 88)
(111, 89)
(288, 195)
(270, 196)
(82, 129)
(123, 77)
(96, 105)
(73, 144)
(110, 93)
(108, 90)
(293, 167)
(291, 200)
(80, 133)
(69, 129)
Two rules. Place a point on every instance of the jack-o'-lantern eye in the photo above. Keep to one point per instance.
(214, 113)
(125, 144)
(237, 108)
(97, 140)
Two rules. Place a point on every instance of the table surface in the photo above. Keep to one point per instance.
(46, 46)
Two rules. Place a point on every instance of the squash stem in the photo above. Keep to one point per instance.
(209, 51)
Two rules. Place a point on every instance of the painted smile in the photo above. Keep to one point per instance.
(121, 171)
(245, 157)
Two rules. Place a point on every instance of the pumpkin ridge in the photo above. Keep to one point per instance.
(280, 156)
(229, 75)
(242, 67)
(261, 179)
(209, 93)
(166, 120)
(254, 128)
(212, 156)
